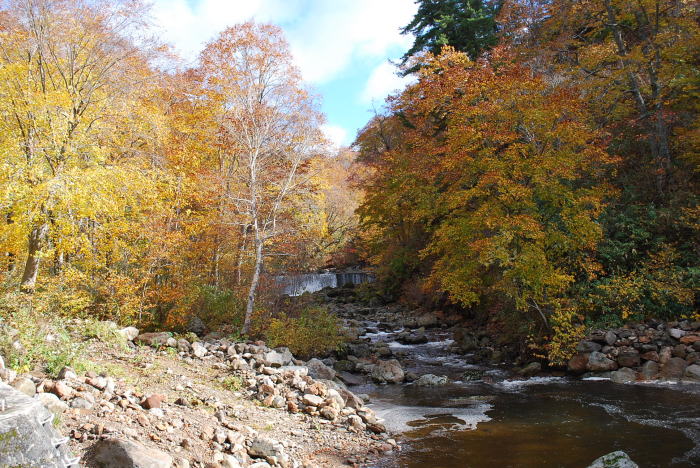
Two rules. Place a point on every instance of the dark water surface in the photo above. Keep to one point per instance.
(540, 422)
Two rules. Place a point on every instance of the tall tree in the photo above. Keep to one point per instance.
(468, 26)
(272, 126)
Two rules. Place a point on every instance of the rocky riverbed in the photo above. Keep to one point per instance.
(163, 402)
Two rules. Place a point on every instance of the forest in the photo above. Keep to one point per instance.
(539, 175)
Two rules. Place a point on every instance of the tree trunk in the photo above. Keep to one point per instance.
(253, 285)
(31, 268)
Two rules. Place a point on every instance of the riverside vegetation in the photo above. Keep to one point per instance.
(534, 191)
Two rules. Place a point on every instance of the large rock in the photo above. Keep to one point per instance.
(318, 370)
(588, 347)
(279, 358)
(129, 333)
(531, 369)
(154, 339)
(628, 358)
(271, 450)
(610, 337)
(598, 362)
(52, 403)
(650, 370)
(388, 371)
(578, 364)
(25, 385)
(115, 453)
(673, 369)
(465, 340)
(617, 459)
(692, 373)
(624, 375)
(198, 349)
(431, 380)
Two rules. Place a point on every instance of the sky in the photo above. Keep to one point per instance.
(342, 47)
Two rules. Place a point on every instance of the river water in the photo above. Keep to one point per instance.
(496, 421)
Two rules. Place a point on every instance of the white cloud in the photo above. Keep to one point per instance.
(337, 135)
(325, 36)
(383, 81)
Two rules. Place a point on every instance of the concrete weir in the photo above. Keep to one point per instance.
(27, 435)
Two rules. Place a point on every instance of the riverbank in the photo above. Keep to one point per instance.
(209, 403)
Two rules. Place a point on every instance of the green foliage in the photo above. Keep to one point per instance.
(316, 331)
(232, 383)
(219, 306)
(29, 340)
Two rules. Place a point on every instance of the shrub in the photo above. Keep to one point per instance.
(316, 331)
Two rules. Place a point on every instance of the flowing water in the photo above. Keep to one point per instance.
(296, 285)
(540, 422)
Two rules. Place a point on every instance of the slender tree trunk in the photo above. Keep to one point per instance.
(10, 255)
(241, 254)
(253, 284)
(31, 268)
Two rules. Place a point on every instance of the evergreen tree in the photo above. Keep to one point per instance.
(469, 26)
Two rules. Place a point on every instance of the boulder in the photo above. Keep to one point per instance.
(196, 325)
(115, 453)
(598, 362)
(650, 356)
(318, 370)
(692, 373)
(465, 340)
(417, 337)
(588, 347)
(198, 349)
(676, 333)
(278, 358)
(349, 379)
(623, 376)
(312, 400)
(531, 369)
(650, 370)
(628, 358)
(673, 369)
(388, 371)
(610, 337)
(269, 449)
(25, 385)
(578, 364)
(52, 403)
(431, 380)
(129, 333)
(154, 339)
(617, 459)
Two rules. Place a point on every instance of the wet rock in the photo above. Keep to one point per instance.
(431, 380)
(617, 459)
(129, 333)
(417, 337)
(673, 369)
(623, 376)
(692, 373)
(349, 379)
(588, 347)
(318, 370)
(531, 369)
(153, 339)
(114, 453)
(650, 370)
(465, 340)
(610, 337)
(628, 358)
(598, 362)
(578, 364)
(388, 372)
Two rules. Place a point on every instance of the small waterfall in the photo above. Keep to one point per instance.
(296, 285)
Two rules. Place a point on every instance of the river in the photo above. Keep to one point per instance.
(497, 421)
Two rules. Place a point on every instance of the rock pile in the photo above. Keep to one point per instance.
(654, 350)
